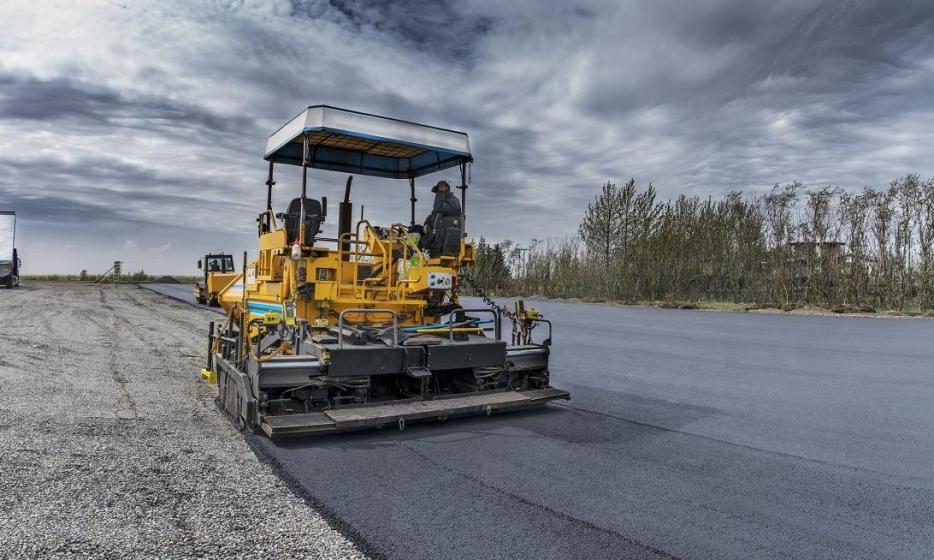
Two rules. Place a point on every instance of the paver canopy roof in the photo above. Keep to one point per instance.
(365, 144)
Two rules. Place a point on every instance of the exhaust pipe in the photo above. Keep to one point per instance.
(344, 217)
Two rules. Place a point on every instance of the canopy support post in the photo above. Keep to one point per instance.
(269, 183)
(344, 217)
(463, 188)
(412, 198)
(301, 222)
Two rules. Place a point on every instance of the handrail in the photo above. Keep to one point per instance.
(385, 267)
(396, 288)
(546, 342)
(338, 240)
(386, 262)
(357, 228)
(356, 253)
(405, 253)
(497, 328)
(340, 323)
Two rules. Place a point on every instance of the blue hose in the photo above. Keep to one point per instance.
(443, 325)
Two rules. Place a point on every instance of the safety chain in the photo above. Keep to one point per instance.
(465, 276)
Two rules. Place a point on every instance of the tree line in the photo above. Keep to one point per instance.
(791, 246)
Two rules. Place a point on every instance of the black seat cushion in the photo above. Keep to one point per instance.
(313, 218)
(445, 237)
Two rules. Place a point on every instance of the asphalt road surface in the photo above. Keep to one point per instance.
(179, 292)
(690, 434)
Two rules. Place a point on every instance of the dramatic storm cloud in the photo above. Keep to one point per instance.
(134, 130)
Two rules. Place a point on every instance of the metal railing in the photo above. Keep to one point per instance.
(497, 327)
(395, 289)
(340, 323)
(400, 293)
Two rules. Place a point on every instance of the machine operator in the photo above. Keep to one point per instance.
(446, 205)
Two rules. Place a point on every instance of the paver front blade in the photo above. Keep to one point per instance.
(400, 413)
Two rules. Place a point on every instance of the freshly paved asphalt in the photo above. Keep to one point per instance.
(180, 292)
(690, 434)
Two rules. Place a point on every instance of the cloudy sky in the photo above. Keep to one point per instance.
(134, 130)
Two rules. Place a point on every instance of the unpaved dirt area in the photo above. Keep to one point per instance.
(111, 447)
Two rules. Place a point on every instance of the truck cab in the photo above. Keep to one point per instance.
(9, 258)
(218, 271)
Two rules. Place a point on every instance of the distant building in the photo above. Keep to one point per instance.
(817, 250)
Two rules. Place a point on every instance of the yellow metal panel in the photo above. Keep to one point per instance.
(467, 252)
(325, 290)
(273, 240)
(218, 280)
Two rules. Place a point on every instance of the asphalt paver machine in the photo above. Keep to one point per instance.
(365, 329)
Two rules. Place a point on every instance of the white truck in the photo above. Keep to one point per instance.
(9, 260)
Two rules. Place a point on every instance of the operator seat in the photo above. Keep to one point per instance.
(445, 237)
(313, 218)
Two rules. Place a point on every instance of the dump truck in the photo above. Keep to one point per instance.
(9, 258)
(218, 271)
(366, 329)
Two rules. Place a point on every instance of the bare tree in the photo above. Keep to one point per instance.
(822, 246)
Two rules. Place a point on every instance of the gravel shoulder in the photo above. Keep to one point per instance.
(111, 447)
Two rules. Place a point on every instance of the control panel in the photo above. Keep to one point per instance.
(439, 280)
